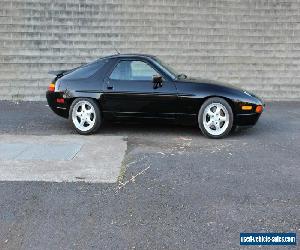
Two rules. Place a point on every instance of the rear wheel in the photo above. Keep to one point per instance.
(85, 116)
(215, 118)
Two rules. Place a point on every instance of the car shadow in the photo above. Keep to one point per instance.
(139, 128)
(165, 129)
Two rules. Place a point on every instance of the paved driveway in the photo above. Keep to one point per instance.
(176, 189)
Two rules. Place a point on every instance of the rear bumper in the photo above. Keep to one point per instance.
(61, 109)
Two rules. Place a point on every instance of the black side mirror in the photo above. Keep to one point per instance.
(157, 81)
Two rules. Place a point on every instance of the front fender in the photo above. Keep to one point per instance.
(192, 95)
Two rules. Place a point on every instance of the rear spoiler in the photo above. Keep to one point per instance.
(58, 72)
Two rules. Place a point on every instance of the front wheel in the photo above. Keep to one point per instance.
(85, 116)
(215, 118)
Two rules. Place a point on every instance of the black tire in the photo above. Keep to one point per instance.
(97, 116)
(225, 104)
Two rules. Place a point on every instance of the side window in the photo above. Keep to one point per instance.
(141, 71)
(121, 71)
(133, 70)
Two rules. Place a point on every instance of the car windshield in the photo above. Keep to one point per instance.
(168, 68)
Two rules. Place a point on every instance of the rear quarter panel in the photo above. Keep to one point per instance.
(89, 87)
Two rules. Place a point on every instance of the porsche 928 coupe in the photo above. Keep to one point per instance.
(126, 86)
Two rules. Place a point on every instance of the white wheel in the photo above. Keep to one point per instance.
(85, 115)
(215, 118)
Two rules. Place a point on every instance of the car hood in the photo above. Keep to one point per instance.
(211, 82)
(224, 86)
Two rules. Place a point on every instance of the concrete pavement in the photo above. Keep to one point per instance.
(61, 158)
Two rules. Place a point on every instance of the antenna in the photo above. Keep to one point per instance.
(113, 45)
(117, 50)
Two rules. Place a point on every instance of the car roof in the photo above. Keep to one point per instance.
(128, 55)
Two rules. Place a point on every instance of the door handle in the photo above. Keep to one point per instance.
(109, 85)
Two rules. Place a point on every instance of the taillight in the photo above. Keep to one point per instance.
(51, 87)
(60, 100)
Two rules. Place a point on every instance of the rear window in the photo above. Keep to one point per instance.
(85, 71)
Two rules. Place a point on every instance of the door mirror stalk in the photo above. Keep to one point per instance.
(157, 81)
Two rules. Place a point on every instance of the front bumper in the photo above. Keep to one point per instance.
(247, 119)
(61, 109)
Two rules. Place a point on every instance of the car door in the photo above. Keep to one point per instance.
(130, 91)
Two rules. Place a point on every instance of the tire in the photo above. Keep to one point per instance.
(85, 116)
(215, 118)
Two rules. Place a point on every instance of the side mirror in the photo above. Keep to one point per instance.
(157, 81)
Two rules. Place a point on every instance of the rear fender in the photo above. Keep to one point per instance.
(70, 96)
(83, 94)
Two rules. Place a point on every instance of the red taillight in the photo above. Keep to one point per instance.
(51, 87)
(60, 100)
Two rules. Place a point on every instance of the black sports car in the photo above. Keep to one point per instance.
(142, 86)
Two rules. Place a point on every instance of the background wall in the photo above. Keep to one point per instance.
(251, 43)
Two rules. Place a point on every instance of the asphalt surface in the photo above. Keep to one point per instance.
(180, 190)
